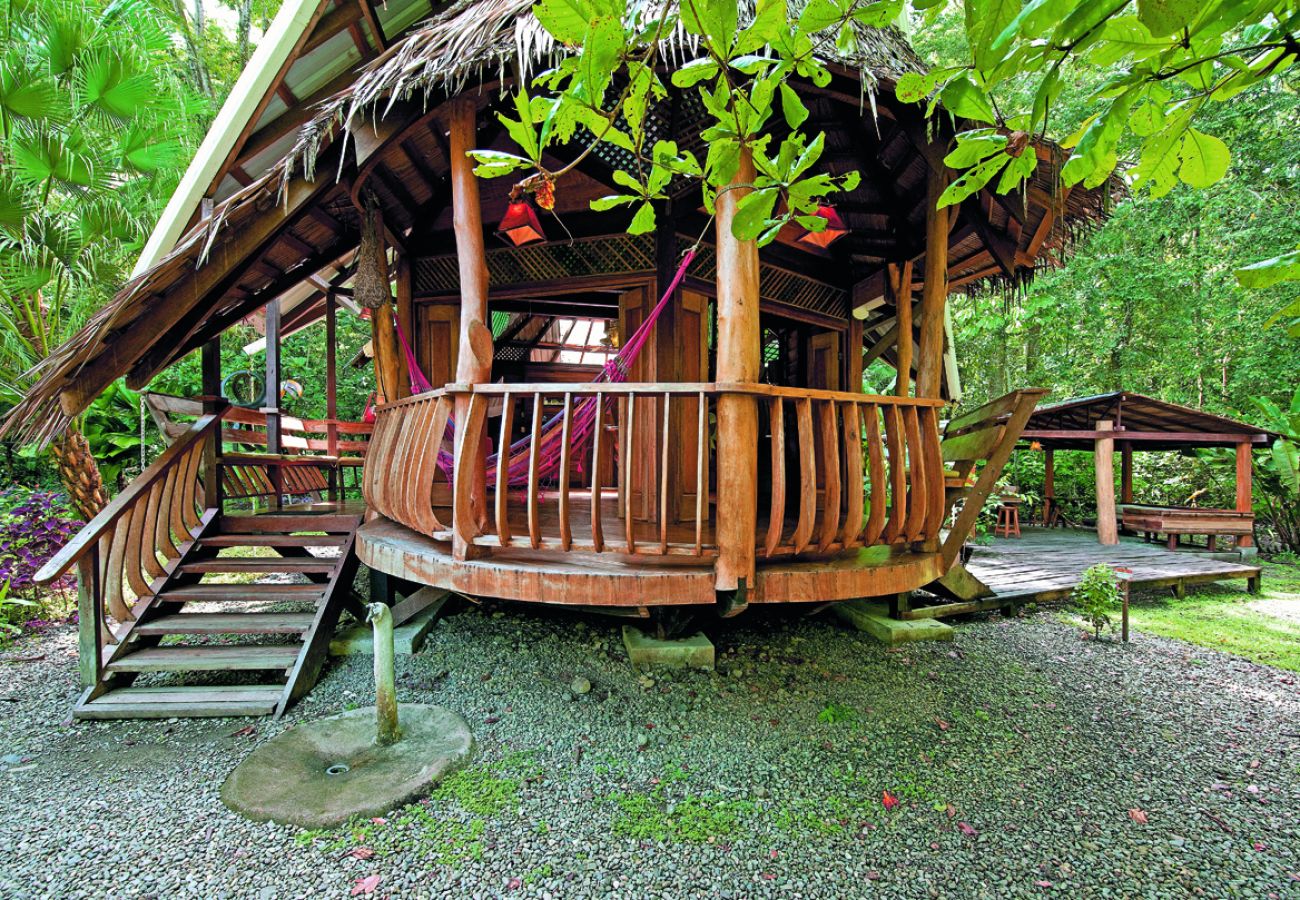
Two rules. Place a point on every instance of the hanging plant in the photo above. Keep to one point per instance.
(370, 285)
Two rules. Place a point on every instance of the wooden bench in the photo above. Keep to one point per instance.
(1174, 521)
(317, 453)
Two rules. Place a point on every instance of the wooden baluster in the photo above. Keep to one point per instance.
(395, 494)
(136, 579)
(776, 512)
(149, 536)
(426, 519)
(629, 445)
(831, 469)
(502, 504)
(163, 535)
(566, 431)
(897, 474)
(931, 447)
(376, 463)
(917, 506)
(90, 618)
(417, 496)
(113, 572)
(192, 508)
(663, 481)
(807, 475)
(534, 454)
(464, 518)
(701, 471)
(102, 548)
(853, 474)
(876, 470)
(597, 437)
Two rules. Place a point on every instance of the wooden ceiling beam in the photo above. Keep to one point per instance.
(331, 25)
(372, 20)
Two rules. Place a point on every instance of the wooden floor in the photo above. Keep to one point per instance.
(1046, 564)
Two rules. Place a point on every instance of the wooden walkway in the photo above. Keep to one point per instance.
(1046, 564)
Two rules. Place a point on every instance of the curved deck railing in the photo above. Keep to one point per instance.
(838, 470)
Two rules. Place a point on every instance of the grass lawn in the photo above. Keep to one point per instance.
(1263, 628)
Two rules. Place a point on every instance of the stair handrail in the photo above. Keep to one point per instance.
(89, 536)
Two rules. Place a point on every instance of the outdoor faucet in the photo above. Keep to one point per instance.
(385, 687)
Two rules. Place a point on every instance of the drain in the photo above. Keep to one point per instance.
(338, 769)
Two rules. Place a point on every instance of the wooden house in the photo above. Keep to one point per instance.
(735, 461)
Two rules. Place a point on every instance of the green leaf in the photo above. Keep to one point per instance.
(610, 201)
(565, 20)
(753, 212)
(1165, 17)
(495, 163)
(985, 20)
(694, 72)
(1268, 272)
(1124, 36)
(879, 14)
(963, 98)
(766, 28)
(1205, 159)
(973, 180)
(1018, 171)
(644, 220)
(973, 146)
(715, 19)
(1286, 463)
(817, 15)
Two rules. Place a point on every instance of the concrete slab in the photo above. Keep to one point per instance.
(323, 773)
(646, 652)
(359, 640)
(873, 618)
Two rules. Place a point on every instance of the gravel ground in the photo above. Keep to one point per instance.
(1025, 762)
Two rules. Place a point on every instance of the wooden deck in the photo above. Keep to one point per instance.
(1046, 564)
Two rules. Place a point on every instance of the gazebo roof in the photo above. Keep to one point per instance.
(282, 229)
(1148, 423)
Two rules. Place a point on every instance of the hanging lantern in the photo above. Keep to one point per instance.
(834, 230)
(1036, 446)
(520, 226)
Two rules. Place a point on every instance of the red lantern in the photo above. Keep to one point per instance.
(834, 230)
(519, 225)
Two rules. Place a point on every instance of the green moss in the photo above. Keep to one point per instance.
(695, 819)
(836, 713)
(486, 790)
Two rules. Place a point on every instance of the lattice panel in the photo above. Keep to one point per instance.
(778, 285)
(614, 255)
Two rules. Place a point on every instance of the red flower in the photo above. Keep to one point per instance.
(888, 799)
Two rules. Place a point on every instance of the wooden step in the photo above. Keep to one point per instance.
(207, 658)
(274, 540)
(288, 523)
(238, 565)
(183, 700)
(244, 593)
(228, 623)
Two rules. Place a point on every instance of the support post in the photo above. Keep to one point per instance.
(332, 393)
(274, 440)
(388, 730)
(210, 368)
(405, 317)
(1104, 457)
(738, 361)
(934, 293)
(474, 359)
(1049, 486)
(900, 287)
(1244, 498)
(1126, 472)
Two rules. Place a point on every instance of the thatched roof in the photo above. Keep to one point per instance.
(288, 225)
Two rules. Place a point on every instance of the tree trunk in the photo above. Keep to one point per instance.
(79, 473)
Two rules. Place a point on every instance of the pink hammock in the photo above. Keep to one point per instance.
(586, 412)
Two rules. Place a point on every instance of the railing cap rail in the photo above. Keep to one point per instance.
(88, 537)
(670, 387)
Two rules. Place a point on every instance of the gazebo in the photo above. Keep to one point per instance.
(1134, 422)
(733, 459)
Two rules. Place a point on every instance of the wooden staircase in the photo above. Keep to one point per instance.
(254, 648)
(217, 614)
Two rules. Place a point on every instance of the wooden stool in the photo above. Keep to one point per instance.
(1008, 524)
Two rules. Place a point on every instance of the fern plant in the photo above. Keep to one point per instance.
(1096, 595)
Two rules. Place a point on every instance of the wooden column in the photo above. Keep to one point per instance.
(934, 294)
(332, 389)
(738, 361)
(900, 287)
(405, 315)
(474, 356)
(1104, 458)
(1125, 472)
(274, 440)
(383, 340)
(1049, 484)
(210, 368)
(1245, 502)
(852, 356)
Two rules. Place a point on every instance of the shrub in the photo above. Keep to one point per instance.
(1096, 595)
(34, 524)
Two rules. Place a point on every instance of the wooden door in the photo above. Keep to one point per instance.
(824, 361)
(437, 341)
